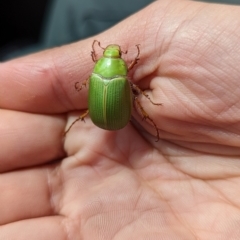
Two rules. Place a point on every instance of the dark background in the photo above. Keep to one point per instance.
(21, 22)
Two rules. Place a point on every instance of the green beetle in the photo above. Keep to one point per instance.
(111, 106)
(110, 92)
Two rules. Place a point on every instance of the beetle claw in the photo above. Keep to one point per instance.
(83, 84)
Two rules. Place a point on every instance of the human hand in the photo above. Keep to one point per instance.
(97, 184)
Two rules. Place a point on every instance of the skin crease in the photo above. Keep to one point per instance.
(96, 184)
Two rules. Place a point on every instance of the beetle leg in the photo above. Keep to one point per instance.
(93, 52)
(94, 57)
(135, 61)
(79, 118)
(84, 83)
(138, 90)
(99, 44)
(146, 116)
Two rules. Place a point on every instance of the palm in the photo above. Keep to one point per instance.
(123, 184)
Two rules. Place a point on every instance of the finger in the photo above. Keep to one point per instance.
(25, 194)
(44, 82)
(29, 139)
(46, 228)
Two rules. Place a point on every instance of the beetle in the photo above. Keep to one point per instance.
(110, 93)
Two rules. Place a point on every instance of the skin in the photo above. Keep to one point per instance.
(96, 184)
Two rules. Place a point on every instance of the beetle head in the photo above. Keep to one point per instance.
(113, 51)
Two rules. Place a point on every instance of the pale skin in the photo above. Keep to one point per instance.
(96, 184)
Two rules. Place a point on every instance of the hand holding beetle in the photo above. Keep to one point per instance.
(99, 184)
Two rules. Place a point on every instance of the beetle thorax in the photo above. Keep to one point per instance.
(111, 67)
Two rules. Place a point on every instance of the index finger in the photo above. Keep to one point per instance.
(43, 82)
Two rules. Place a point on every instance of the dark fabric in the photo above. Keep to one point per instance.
(72, 20)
